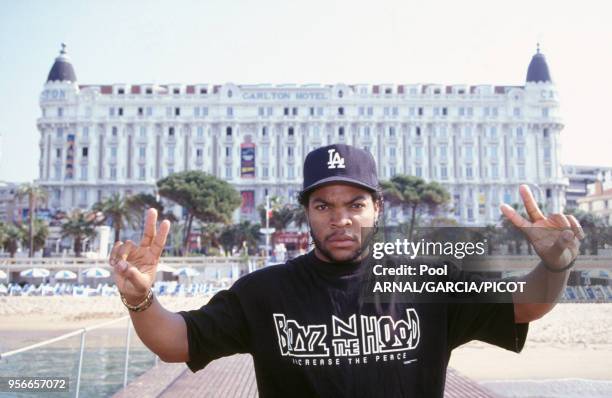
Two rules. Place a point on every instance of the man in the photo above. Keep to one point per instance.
(305, 322)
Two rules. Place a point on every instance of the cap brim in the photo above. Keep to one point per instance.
(330, 180)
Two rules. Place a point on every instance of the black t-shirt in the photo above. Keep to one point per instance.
(311, 333)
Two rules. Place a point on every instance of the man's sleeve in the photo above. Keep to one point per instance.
(484, 316)
(489, 322)
(216, 330)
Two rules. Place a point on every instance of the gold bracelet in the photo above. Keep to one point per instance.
(146, 303)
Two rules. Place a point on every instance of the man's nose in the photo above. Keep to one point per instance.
(340, 218)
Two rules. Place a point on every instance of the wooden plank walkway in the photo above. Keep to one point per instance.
(234, 376)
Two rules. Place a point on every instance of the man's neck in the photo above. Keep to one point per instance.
(326, 259)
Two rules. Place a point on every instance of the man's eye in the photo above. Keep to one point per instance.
(358, 205)
(320, 207)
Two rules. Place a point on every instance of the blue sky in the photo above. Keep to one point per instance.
(316, 41)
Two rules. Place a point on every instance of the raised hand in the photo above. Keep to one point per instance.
(555, 238)
(135, 266)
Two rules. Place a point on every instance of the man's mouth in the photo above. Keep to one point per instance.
(341, 240)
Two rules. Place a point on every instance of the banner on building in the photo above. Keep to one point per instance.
(69, 174)
(248, 202)
(247, 160)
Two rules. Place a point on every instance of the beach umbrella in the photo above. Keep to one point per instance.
(596, 274)
(185, 271)
(3, 275)
(165, 268)
(96, 272)
(65, 274)
(35, 273)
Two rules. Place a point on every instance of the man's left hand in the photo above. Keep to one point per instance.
(555, 238)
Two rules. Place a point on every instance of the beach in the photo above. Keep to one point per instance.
(572, 344)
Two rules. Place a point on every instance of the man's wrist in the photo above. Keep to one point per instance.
(557, 270)
(138, 303)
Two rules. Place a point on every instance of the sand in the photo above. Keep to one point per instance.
(572, 341)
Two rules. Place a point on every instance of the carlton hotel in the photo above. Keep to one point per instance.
(480, 141)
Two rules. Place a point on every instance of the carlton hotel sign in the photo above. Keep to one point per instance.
(285, 96)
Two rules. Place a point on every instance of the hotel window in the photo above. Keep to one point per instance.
(111, 112)
(461, 111)
(113, 173)
(370, 111)
(411, 111)
(420, 111)
(545, 132)
(143, 132)
(418, 152)
(85, 132)
(290, 131)
(544, 112)
(228, 132)
(228, 172)
(290, 172)
(341, 111)
(142, 151)
(228, 151)
(470, 213)
(176, 91)
(264, 131)
(142, 173)
(386, 111)
(468, 153)
(229, 111)
(519, 132)
(312, 111)
(521, 172)
(315, 131)
(468, 172)
(58, 153)
(265, 152)
(200, 131)
(121, 91)
(261, 111)
(366, 131)
(392, 171)
(270, 111)
(520, 152)
(516, 112)
(443, 151)
(493, 132)
(114, 131)
(203, 91)
(204, 111)
(113, 152)
(395, 111)
(547, 153)
(84, 173)
(468, 132)
(436, 111)
(392, 152)
(286, 111)
(84, 151)
(391, 131)
(470, 111)
(419, 171)
(341, 131)
(198, 153)
(149, 91)
(120, 111)
(170, 170)
(494, 112)
(264, 172)
(196, 111)
(444, 111)
(149, 111)
(57, 171)
(442, 131)
(294, 111)
(171, 153)
(547, 171)
(84, 197)
(171, 131)
(60, 112)
(493, 152)
(494, 172)
(141, 111)
(443, 172)
(361, 111)
(289, 152)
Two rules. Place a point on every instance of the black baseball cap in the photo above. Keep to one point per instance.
(339, 163)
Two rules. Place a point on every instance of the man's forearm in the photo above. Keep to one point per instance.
(163, 332)
(543, 289)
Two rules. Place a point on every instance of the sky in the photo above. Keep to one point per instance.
(314, 41)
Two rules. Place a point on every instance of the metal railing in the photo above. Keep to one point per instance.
(83, 333)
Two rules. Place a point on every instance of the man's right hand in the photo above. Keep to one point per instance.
(135, 266)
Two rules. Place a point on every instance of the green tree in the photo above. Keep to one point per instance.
(116, 209)
(12, 236)
(203, 196)
(140, 202)
(414, 194)
(79, 226)
(596, 230)
(40, 232)
(238, 235)
(36, 195)
(281, 214)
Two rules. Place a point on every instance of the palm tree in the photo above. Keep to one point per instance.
(413, 193)
(116, 209)
(39, 235)
(79, 226)
(12, 236)
(35, 195)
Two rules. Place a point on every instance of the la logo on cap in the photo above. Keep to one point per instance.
(335, 160)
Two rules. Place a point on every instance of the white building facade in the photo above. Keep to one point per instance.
(479, 141)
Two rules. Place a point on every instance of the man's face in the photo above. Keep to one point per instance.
(336, 213)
